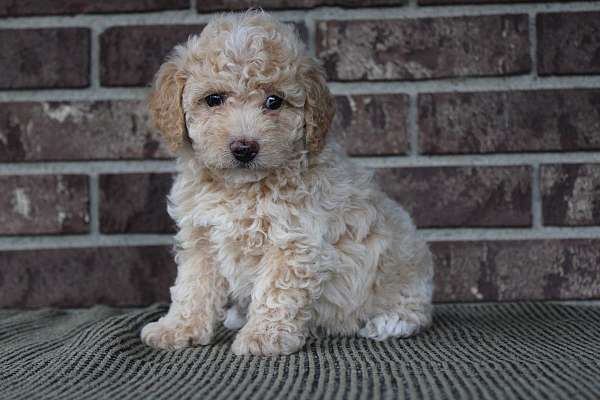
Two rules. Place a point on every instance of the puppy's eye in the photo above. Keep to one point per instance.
(214, 100)
(273, 102)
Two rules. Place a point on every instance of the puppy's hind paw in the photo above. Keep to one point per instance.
(386, 326)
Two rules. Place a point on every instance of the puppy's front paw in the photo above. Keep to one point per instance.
(171, 335)
(266, 343)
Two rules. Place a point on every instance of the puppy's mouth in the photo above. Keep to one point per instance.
(231, 164)
(244, 165)
(242, 173)
(254, 165)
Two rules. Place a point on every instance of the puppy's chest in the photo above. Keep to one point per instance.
(239, 232)
(247, 236)
(244, 226)
(238, 226)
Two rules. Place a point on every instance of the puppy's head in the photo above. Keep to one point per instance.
(243, 95)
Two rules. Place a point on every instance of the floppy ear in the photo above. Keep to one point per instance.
(166, 110)
(319, 108)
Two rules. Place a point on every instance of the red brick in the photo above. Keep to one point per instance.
(77, 131)
(570, 194)
(568, 43)
(230, 5)
(462, 196)
(43, 204)
(371, 125)
(44, 58)
(427, 48)
(131, 55)
(135, 203)
(516, 270)
(13, 8)
(489, 122)
(83, 277)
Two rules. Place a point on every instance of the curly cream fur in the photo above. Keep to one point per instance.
(300, 241)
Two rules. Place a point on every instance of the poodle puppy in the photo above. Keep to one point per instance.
(279, 234)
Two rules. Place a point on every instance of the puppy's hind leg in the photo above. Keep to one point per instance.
(402, 322)
(401, 304)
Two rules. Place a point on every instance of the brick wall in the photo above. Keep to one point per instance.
(482, 117)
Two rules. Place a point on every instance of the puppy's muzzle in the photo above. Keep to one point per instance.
(244, 150)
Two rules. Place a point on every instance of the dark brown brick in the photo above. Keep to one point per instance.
(13, 8)
(77, 131)
(86, 276)
(230, 5)
(517, 270)
(462, 196)
(135, 203)
(43, 204)
(131, 55)
(488, 122)
(570, 194)
(370, 125)
(465, 271)
(44, 58)
(568, 43)
(454, 2)
(424, 48)
(302, 31)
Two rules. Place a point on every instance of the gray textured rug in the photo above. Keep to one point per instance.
(509, 351)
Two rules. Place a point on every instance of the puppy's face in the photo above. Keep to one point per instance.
(236, 123)
(246, 95)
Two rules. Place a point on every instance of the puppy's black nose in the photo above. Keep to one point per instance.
(244, 150)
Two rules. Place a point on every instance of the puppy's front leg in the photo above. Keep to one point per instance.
(198, 302)
(280, 310)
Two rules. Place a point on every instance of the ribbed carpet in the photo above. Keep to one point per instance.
(510, 351)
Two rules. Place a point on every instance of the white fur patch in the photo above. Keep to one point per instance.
(235, 319)
(386, 326)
